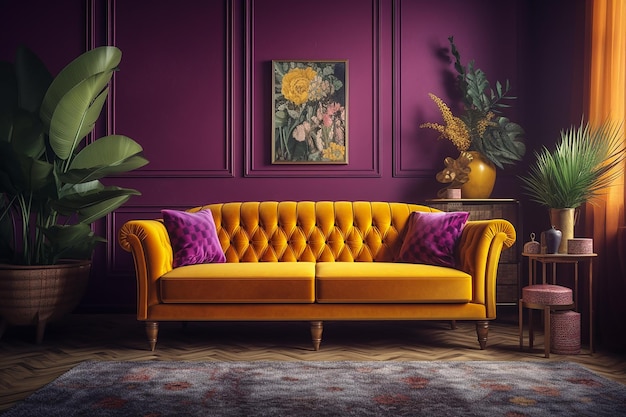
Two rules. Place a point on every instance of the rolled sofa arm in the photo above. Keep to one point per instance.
(150, 245)
(480, 246)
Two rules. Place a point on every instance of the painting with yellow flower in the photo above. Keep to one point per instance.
(309, 119)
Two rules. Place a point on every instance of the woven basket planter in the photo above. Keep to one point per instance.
(37, 295)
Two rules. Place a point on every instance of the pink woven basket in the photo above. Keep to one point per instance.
(579, 246)
(565, 332)
(547, 294)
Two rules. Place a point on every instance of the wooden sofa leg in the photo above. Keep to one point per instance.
(482, 330)
(3, 326)
(152, 331)
(316, 333)
(41, 329)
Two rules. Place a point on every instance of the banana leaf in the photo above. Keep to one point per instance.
(76, 241)
(107, 156)
(74, 116)
(33, 79)
(21, 174)
(90, 63)
(92, 200)
(25, 133)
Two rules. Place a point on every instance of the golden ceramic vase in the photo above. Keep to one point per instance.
(482, 177)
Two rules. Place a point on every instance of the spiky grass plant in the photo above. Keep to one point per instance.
(583, 164)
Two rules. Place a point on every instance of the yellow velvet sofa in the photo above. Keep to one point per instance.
(315, 262)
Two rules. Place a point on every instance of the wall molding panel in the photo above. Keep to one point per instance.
(259, 143)
(399, 170)
(225, 166)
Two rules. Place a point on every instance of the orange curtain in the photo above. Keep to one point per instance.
(605, 220)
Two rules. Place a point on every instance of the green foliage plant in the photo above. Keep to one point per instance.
(501, 141)
(586, 160)
(51, 163)
(481, 127)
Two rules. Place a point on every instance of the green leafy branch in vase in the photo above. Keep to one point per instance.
(480, 127)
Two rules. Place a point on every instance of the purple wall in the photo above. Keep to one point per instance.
(195, 90)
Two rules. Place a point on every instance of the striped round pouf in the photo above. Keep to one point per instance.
(547, 294)
(565, 332)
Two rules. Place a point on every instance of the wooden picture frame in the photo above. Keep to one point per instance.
(310, 112)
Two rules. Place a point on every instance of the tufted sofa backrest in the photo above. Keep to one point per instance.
(308, 231)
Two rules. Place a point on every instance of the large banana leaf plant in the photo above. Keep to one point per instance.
(50, 162)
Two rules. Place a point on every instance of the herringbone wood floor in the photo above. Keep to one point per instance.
(25, 366)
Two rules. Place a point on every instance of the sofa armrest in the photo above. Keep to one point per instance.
(480, 246)
(151, 248)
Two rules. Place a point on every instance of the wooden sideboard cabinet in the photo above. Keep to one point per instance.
(508, 288)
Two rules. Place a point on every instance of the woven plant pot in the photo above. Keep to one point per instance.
(37, 295)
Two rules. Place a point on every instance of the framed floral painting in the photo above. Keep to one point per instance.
(310, 112)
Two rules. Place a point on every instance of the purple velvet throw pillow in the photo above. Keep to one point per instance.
(193, 236)
(431, 238)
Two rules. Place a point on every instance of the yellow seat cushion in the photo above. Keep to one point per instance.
(256, 282)
(387, 282)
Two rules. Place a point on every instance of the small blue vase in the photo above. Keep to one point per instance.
(553, 240)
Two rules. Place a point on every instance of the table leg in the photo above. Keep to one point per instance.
(576, 286)
(591, 306)
(531, 336)
(546, 331)
(520, 319)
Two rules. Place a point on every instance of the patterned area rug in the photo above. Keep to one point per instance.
(451, 388)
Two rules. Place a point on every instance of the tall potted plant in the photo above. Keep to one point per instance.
(50, 172)
(583, 164)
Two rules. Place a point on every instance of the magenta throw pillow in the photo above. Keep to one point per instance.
(193, 236)
(431, 238)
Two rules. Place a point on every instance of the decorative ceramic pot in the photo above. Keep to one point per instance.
(563, 220)
(553, 239)
(482, 177)
(39, 294)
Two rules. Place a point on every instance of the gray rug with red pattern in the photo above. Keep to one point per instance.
(451, 388)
